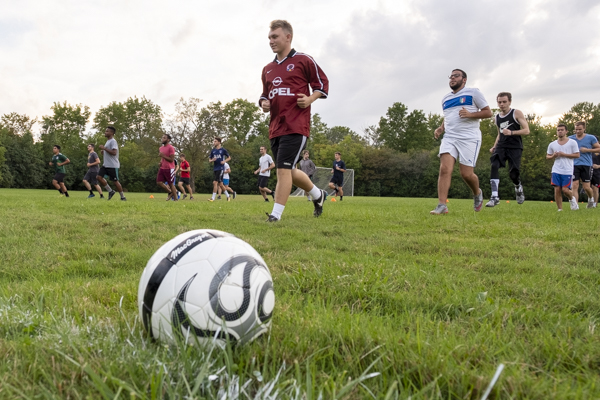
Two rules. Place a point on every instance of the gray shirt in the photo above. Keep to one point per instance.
(111, 161)
(308, 167)
(92, 157)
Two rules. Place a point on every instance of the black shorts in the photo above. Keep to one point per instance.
(263, 181)
(337, 181)
(59, 177)
(91, 177)
(583, 172)
(185, 180)
(287, 149)
(596, 178)
(111, 173)
(501, 155)
(218, 175)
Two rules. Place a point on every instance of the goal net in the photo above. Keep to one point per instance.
(322, 177)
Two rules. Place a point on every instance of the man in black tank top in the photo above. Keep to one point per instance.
(512, 126)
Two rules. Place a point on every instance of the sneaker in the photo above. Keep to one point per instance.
(519, 194)
(267, 200)
(591, 203)
(271, 218)
(229, 198)
(234, 194)
(478, 201)
(211, 200)
(440, 209)
(169, 196)
(111, 194)
(494, 201)
(184, 196)
(123, 199)
(319, 204)
(560, 209)
(218, 197)
(574, 205)
(191, 197)
(101, 196)
(91, 195)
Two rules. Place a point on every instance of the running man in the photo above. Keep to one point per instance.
(90, 177)
(463, 108)
(512, 126)
(226, 172)
(308, 167)
(582, 166)
(184, 167)
(563, 151)
(265, 165)
(110, 168)
(59, 161)
(219, 156)
(287, 82)
(337, 180)
(166, 171)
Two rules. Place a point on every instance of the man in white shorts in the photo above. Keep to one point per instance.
(463, 108)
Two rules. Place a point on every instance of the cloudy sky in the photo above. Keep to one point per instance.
(375, 53)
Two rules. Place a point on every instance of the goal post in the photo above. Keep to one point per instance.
(321, 178)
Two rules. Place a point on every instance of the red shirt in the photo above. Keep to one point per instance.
(167, 150)
(282, 82)
(185, 165)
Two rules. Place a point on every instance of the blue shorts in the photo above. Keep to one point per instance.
(225, 182)
(561, 180)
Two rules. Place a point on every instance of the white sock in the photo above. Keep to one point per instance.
(227, 194)
(108, 188)
(214, 195)
(591, 200)
(277, 210)
(315, 192)
(495, 183)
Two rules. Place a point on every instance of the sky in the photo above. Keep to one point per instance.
(375, 53)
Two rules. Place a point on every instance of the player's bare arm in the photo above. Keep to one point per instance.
(594, 148)
(485, 112)
(225, 160)
(304, 101)
(524, 131)
(67, 161)
(496, 141)
(439, 131)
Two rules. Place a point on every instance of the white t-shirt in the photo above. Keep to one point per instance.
(225, 168)
(563, 165)
(264, 163)
(455, 126)
(111, 161)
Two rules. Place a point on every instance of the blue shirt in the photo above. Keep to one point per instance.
(587, 142)
(336, 173)
(220, 155)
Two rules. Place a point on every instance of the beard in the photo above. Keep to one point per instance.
(456, 85)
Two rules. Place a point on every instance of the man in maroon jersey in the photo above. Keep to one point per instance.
(287, 82)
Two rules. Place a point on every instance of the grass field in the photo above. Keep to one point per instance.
(375, 299)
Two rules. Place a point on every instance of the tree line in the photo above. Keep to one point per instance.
(395, 157)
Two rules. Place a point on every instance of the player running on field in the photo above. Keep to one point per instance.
(166, 171)
(582, 166)
(463, 108)
(337, 180)
(184, 167)
(59, 161)
(226, 172)
(265, 165)
(219, 156)
(287, 83)
(563, 151)
(90, 177)
(512, 126)
(110, 168)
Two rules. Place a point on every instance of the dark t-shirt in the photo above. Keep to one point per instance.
(59, 158)
(339, 174)
(220, 155)
(92, 157)
(508, 122)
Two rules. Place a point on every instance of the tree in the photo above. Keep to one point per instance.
(584, 111)
(243, 118)
(403, 131)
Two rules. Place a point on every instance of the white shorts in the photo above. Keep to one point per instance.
(467, 150)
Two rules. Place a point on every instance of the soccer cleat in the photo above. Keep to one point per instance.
(591, 203)
(218, 197)
(123, 199)
(91, 195)
(101, 196)
(191, 197)
(519, 194)
(478, 201)
(211, 200)
(440, 209)
(494, 201)
(271, 218)
(234, 194)
(267, 200)
(573, 203)
(184, 196)
(229, 198)
(319, 204)
(111, 194)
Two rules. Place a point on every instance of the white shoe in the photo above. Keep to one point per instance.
(591, 203)
(574, 205)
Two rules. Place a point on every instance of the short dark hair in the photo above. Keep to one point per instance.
(168, 136)
(504, 94)
(581, 123)
(218, 139)
(181, 155)
(93, 145)
(464, 74)
(563, 125)
(57, 146)
(112, 128)
(337, 152)
(305, 152)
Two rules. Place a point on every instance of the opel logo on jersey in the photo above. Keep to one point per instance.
(277, 81)
(284, 91)
(290, 68)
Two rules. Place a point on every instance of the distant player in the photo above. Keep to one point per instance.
(111, 165)
(582, 166)
(512, 126)
(219, 156)
(265, 165)
(463, 108)
(286, 94)
(59, 161)
(184, 167)
(166, 171)
(90, 177)
(563, 151)
(226, 172)
(337, 180)
(595, 183)
(308, 167)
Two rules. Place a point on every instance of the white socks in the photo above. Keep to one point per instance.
(315, 192)
(277, 210)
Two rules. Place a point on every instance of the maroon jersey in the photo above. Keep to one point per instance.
(282, 82)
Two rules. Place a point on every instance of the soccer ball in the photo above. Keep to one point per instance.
(206, 285)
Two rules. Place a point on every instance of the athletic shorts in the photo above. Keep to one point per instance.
(263, 181)
(583, 172)
(596, 178)
(226, 181)
(59, 177)
(218, 175)
(185, 181)
(466, 152)
(111, 173)
(91, 177)
(561, 180)
(287, 150)
(337, 181)
(166, 175)
(501, 155)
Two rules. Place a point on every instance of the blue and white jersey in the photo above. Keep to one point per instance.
(455, 126)
(220, 155)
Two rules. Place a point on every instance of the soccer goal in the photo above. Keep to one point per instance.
(322, 177)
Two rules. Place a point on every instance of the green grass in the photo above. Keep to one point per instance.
(375, 299)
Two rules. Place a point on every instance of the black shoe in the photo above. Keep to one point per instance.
(101, 196)
(123, 199)
(341, 198)
(218, 197)
(267, 200)
(111, 194)
(319, 204)
(234, 193)
(273, 194)
(271, 218)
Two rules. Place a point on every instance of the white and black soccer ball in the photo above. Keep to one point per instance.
(206, 284)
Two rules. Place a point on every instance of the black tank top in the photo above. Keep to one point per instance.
(509, 122)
